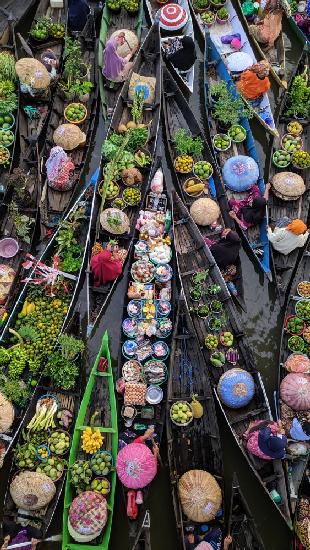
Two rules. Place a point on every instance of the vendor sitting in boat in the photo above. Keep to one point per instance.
(254, 82)
(21, 538)
(288, 235)
(266, 439)
(267, 28)
(250, 211)
(78, 11)
(106, 264)
(115, 67)
(180, 51)
(211, 540)
(226, 250)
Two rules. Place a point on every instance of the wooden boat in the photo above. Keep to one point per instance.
(255, 237)
(193, 256)
(301, 520)
(185, 80)
(285, 265)
(42, 279)
(241, 524)
(298, 31)
(153, 412)
(144, 537)
(111, 22)
(99, 397)
(38, 521)
(54, 204)
(275, 55)
(148, 63)
(179, 115)
(295, 464)
(198, 445)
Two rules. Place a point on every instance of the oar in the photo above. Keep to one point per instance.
(159, 457)
(25, 45)
(54, 538)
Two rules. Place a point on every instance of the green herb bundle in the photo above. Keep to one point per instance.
(186, 144)
(298, 97)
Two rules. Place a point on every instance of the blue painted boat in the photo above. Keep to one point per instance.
(256, 237)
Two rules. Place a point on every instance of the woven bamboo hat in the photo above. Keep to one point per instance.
(200, 495)
(6, 414)
(204, 211)
(32, 72)
(32, 490)
(131, 42)
(69, 136)
(288, 186)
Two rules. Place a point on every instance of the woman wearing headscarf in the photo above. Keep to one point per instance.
(251, 210)
(180, 51)
(212, 540)
(106, 264)
(254, 82)
(286, 239)
(265, 439)
(115, 67)
(268, 26)
(78, 11)
(225, 251)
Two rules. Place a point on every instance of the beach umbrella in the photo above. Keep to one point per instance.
(172, 17)
(204, 211)
(200, 495)
(288, 186)
(32, 72)
(236, 388)
(295, 391)
(136, 465)
(238, 62)
(240, 173)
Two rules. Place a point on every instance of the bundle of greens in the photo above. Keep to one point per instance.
(298, 97)
(186, 144)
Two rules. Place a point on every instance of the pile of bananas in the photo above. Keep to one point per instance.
(92, 440)
(28, 307)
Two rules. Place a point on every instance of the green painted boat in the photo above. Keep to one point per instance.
(99, 396)
(110, 23)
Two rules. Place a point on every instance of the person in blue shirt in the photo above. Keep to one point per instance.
(300, 429)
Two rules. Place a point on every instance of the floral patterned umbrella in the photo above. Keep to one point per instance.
(295, 391)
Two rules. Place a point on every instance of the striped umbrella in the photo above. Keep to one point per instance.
(173, 17)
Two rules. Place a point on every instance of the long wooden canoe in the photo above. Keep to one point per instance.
(111, 22)
(295, 465)
(38, 522)
(73, 282)
(198, 445)
(98, 397)
(179, 115)
(285, 265)
(241, 523)
(193, 256)
(148, 63)
(54, 204)
(255, 237)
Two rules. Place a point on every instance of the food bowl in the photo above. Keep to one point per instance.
(4, 155)
(132, 371)
(185, 408)
(295, 343)
(208, 18)
(128, 418)
(132, 196)
(142, 271)
(184, 164)
(119, 203)
(112, 191)
(226, 339)
(192, 183)
(64, 435)
(160, 350)
(6, 137)
(203, 311)
(303, 289)
(302, 309)
(215, 324)
(216, 142)
(289, 327)
(235, 136)
(55, 470)
(201, 10)
(101, 462)
(294, 128)
(101, 485)
(203, 169)
(281, 158)
(291, 143)
(45, 450)
(7, 121)
(75, 113)
(154, 395)
(8, 247)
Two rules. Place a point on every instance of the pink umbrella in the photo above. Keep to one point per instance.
(295, 391)
(136, 465)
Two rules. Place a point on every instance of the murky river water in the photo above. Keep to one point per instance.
(263, 321)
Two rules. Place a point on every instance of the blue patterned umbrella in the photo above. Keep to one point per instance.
(240, 173)
(236, 388)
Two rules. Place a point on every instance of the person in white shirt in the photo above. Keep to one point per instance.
(286, 239)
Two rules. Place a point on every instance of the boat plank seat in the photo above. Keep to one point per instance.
(100, 428)
(248, 414)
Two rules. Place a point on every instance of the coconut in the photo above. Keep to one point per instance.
(32, 490)
(69, 136)
(204, 211)
(6, 414)
(288, 186)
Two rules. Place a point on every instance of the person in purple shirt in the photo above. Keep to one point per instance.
(115, 67)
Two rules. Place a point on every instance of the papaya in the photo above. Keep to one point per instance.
(196, 407)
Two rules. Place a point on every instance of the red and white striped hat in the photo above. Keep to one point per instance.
(173, 17)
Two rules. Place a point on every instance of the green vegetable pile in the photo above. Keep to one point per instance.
(302, 309)
(217, 359)
(298, 97)
(25, 456)
(53, 467)
(101, 463)
(59, 442)
(186, 144)
(301, 159)
(211, 341)
(227, 108)
(295, 343)
(43, 28)
(295, 325)
(61, 368)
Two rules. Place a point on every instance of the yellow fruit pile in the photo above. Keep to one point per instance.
(92, 440)
(28, 307)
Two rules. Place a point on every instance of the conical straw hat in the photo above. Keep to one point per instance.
(69, 136)
(204, 211)
(200, 495)
(32, 72)
(131, 42)
(288, 185)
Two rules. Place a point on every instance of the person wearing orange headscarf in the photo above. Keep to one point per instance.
(254, 82)
(286, 239)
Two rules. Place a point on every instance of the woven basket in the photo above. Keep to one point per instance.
(75, 121)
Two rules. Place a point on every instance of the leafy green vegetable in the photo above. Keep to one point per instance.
(298, 97)
(186, 144)
(228, 109)
(70, 346)
(15, 391)
(137, 106)
(62, 372)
